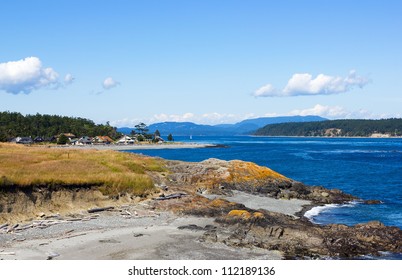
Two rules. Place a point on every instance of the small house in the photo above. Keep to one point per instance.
(39, 139)
(22, 140)
(85, 140)
(126, 140)
(51, 139)
(159, 139)
(102, 140)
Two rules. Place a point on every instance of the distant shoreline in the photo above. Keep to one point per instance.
(128, 147)
(328, 137)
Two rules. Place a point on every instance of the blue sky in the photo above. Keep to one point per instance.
(202, 61)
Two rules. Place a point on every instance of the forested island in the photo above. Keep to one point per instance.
(14, 124)
(336, 128)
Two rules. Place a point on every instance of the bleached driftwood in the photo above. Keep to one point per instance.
(7, 253)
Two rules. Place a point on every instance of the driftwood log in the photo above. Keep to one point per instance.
(100, 209)
(171, 196)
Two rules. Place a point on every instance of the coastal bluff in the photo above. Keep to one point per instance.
(246, 206)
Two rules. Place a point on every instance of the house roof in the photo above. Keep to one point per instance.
(69, 135)
(104, 138)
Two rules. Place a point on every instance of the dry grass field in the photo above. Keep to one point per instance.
(113, 172)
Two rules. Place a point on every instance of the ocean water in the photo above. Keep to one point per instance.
(366, 168)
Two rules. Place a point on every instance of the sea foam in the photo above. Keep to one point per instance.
(315, 211)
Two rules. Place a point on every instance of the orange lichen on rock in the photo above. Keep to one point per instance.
(221, 203)
(245, 215)
(241, 171)
(258, 215)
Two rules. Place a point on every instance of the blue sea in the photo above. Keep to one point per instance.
(364, 167)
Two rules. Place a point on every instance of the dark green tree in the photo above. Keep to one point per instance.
(63, 139)
(170, 137)
(141, 128)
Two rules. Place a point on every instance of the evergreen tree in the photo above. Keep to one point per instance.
(141, 128)
(63, 139)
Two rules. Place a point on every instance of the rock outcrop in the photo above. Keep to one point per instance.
(239, 226)
(215, 176)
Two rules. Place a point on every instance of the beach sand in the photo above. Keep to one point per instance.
(284, 206)
(112, 237)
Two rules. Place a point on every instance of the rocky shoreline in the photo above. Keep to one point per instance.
(235, 205)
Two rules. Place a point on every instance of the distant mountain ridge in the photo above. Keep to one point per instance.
(244, 127)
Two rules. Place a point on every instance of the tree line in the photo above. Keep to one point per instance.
(342, 128)
(14, 124)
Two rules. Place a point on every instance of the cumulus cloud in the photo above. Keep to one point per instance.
(323, 111)
(339, 112)
(109, 83)
(68, 79)
(187, 117)
(305, 84)
(26, 75)
(266, 91)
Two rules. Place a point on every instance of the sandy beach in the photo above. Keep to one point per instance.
(283, 206)
(113, 236)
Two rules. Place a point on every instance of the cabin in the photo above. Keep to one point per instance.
(85, 140)
(126, 140)
(159, 139)
(102, 140)
(51, 139)
(39, 139)
(22, 140)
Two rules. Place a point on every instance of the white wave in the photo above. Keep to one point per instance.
(315, 211)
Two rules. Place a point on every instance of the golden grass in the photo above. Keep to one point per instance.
(115, 172)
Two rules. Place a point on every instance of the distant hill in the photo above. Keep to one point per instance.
(338, 128)
(241, 128)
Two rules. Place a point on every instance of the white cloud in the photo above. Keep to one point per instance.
(109, 83)
(127, 122)
(265, 91)
(305, 84)
(206, 118)
(187, 117)
(339, 112)
(69, 79)
(323, 111)
(26, 75)
(217, 118)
